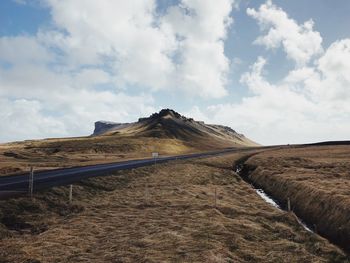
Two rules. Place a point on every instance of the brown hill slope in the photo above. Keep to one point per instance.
(170, 124)
(166, 132)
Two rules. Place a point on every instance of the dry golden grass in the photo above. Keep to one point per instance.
(165, 213)
(56, 153)
(45, 154)
(317, 181)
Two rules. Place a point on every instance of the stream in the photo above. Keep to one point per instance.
(268, 199)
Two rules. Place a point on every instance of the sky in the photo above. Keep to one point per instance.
(277, 71)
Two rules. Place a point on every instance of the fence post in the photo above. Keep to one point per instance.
(155, 156)
(31, 181)
(70, 193)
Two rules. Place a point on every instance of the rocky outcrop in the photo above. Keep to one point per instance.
(161, 114)
(104, 126)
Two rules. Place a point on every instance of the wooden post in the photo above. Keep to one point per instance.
(70, 193)
(288, 205)
(155, 156)
(31, 181)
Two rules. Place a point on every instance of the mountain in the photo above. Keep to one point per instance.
(169, 124)
(166, 132)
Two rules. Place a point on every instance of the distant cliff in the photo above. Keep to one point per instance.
(104, 126)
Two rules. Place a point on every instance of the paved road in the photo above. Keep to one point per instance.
(18, 184)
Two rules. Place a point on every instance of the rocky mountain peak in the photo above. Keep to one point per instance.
(162, 114)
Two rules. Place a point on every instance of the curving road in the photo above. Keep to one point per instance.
(18, 184)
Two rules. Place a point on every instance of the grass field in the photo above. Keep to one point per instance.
(166, 213)
(56, 153)
(317, 181)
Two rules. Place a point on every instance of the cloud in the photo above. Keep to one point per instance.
(300, 42)
(22, 117)
(334, 68)
(33, 119)
(183, 49)
(86, 64)
(254, 79)
(200, 28)
(122, 36)
(328, 80)
(40, 100)
(309, 104)
(23, 50)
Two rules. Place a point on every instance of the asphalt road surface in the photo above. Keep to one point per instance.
(18, 184)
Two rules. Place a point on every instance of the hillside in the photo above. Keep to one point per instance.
(166, 132)
(170, 124)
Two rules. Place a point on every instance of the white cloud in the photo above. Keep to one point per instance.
(254, 79)
(23, 50)
(182, 49)
(122, 35)
(88, 107)
(90, 78)
(300, 42)
(201, 27)
(310, 104)
(80, 68)
(32, 119)
(334, 67)
(48, 102)
(21, 118)
(38, 100)
(328, 80)
(197, 114)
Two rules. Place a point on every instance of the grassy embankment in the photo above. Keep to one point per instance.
(317, 181)
(158, 214)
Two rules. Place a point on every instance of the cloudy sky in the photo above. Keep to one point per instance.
(277, 71)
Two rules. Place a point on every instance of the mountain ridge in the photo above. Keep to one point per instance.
(168, 123)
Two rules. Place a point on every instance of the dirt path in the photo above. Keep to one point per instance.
(167, 214)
